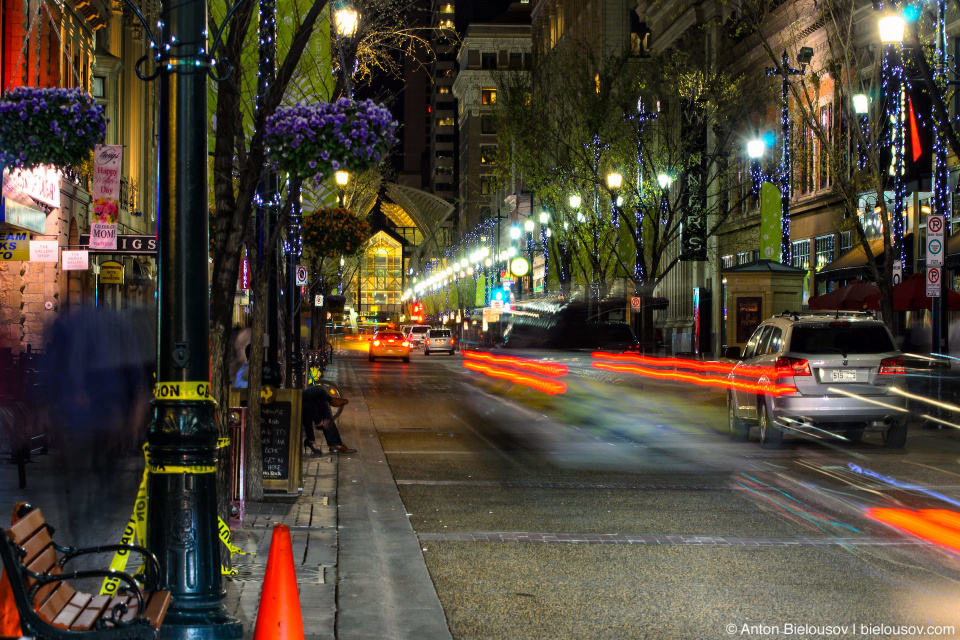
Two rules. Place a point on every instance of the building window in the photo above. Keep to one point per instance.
(801, 254)
(442, 91)
(823, 251)
(445, 122)
(726, 262)
(486, 185)
(447, 8)
(444, 171)
(444, 106)
(488, 61)
(444, 186)
(488, 154)
(488, 125)
(516, 61)
(488, 96)
(444, 137)
(744, 257)
(846, 241)
(444, 153)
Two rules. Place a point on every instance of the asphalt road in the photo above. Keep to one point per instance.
(619, 508)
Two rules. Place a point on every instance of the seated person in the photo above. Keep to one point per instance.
(314, 409)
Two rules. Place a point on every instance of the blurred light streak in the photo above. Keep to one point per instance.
(930, 401)
(900, 485)
(546, 385)
(695, 374)
(799, 511)
(554, 370)
(939, 526)
(850, 394)
(809, 429)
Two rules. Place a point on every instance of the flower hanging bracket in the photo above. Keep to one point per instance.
(174, 62)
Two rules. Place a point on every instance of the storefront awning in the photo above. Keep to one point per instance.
(854, 264)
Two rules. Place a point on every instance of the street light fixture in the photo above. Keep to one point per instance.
(755, 149)
(346, 20)
(614, 181)
(861, 104)
(664, 180)
(575, 201)
(892, 28)
(515, 232)
(342, 178)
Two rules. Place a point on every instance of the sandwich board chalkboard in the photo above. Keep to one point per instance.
(280, 437)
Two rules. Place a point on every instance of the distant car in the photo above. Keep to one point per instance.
(389, 344)
(418, 334)
(438, 340)
(816, 373)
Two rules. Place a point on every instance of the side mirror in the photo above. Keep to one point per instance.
(732, 353)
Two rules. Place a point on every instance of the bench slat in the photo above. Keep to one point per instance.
(53, 605)
(26, 526)
(157, 607)
(91, 613)
(35, 545)
(71, 610)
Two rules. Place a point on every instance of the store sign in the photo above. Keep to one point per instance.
(28, 196)
(111, 272)
(14, 246)
(75, 260)
(44, 251)
(126, 244)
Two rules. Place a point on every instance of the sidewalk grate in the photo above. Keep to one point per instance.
(254, 572)
(667, 540)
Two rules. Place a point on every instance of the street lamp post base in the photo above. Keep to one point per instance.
(206, 623)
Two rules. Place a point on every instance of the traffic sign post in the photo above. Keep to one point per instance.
(301, 275)
(933, 282)
(935, 240)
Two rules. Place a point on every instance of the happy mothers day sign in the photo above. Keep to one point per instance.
(106, 196)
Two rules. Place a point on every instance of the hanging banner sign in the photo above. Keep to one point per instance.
(75, 260)
(244, 274)
(105, 191)
(111, 272)
(771, 222)
(14, 246)
(44, 251)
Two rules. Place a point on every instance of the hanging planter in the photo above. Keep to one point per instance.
(56, 127)
(319, 138)
(329, 233)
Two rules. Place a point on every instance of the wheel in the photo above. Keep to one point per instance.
(426, 352)
(371, 358)
(739, 430)
(770, 436)
(854, 435)
(406, 359)
(896, 436)
(451, 351)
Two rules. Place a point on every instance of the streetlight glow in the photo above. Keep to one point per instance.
(755, 149)
(575, 201)
(614, 180)
(861, 104)
(515, 232)
(346, 20)
(342, 178)
(891, 29)
(544, 217)
(664, 181)
(528, 225)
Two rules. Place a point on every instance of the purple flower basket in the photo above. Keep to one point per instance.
(319, 138)
(57, 127)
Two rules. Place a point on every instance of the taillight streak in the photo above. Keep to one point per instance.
(546, 385)
(939, 526)
(554, 370)
(787, 366)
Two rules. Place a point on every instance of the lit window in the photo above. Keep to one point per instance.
(488, 96)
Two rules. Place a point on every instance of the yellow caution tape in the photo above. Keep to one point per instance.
(168, 469)
(223, 443)
(227, 571)
(224, 533)
(197, 390)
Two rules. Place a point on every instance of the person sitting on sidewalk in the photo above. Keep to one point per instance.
(315, 406)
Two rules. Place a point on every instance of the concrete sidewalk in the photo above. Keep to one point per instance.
(359, 566)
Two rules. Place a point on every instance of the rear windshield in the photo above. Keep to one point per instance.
(420, 330)
(440, 333)
(387, 335)
(849, 339)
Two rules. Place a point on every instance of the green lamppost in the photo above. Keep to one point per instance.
(182, 437)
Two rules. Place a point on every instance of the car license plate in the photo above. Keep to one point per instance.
(843, 375)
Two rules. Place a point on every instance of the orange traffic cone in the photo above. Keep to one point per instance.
(278, 617)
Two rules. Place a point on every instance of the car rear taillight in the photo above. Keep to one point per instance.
(427, 340)
(376, 343)
(405, 344)
(840, 323)
(787, 366)
(891, 366)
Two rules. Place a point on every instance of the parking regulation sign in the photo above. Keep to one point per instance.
(301, 275)
(635, 302)
(935, 238)
(933, 282)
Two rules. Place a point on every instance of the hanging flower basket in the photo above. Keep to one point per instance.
(335, 304)
(318, 138)
(57, 127)
(329, 233)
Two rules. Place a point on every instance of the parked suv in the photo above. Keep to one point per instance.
(810, 373)
(438, 340)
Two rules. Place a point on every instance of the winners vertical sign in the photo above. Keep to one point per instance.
(106, 196)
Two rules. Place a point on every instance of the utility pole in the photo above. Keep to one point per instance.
(182, 436)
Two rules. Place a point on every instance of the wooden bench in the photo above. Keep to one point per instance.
(50, 608)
